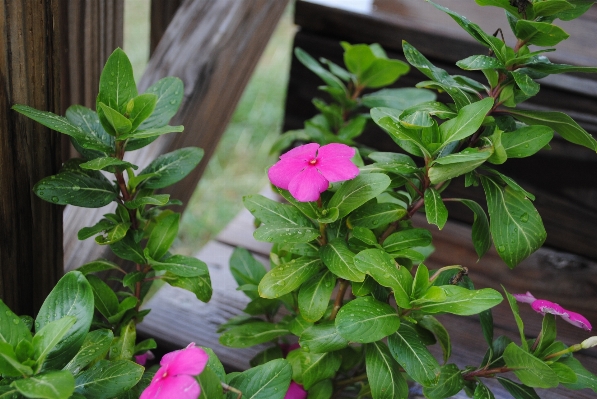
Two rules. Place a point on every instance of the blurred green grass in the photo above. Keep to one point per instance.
(238, 165)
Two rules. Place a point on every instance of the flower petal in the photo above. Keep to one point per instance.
(282, 172)
(307, 185)
(295, 391)
(337, 169)
(525, 298)
(543, 306)
(576, 319)
(191, 361)
(305, 152)
(335, 150)
(173, 387)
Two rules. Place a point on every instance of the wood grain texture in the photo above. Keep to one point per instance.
(213, 47)
(161, 14)
(30, 229)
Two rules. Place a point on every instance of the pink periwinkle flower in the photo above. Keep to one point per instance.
(176, 378)
(295, 391)
(143, 358)
(542, 306)
(306, 171)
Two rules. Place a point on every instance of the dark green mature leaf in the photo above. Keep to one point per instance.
(467, 122)
(540, 33)
(266, 355)
(285, 233)
(181, 265)
(162, 236)
(480, 231)
(315, 67)
(516, 226)
(52, 385)
(389, 120)
(455, 165)
(105, 163)
(382, 267)
(518, 391)
(476, 62)
(105, 300)
(210, 384)
(459, 300)
(49, 336)
(450, 383)
(314, 295)
(129, 249)
(75, 186)
(268, 381)
(123, 346)
(435, 210)
(108, 379)
(288, 276)
(96, 345)
(72, 296)
(584, 378)
(246, 269)
(408, 350)
(339, 259)
(526, 141)
(12, 328)
(198, 285)
(97, 143)
(172, 167)
(365, 319)
(357, 191)
(548, 333)
(322, 338)
(98, 265)
(270, 211)
(543, 66)
(514, 307)
(151, 132)
(430, 323)
(482, 392)
(310, 368)
(117, 84)
(400, 99)
(321, 390)
(375, 215)
(251, 334)
(529, 370)
(408, 238)
(560, 122)
(384, 373)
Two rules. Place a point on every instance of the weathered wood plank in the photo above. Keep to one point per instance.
(30, 229)
(161, 14)
(213, 47)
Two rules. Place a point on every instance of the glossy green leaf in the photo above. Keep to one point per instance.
(321, 390)
(143, 107)
(210, 385)
(358, 58)
(10, 365)
(430, 323)
(382, 267)
(467, 122)
(357, 191)
(117, 84)
(408, 238)
(115, 234)
(529, 370)
(123, 346)
(400, 99)
(482, 392)
(315, 67)
(198, 285)
(46, 339)
(285, 233)
(270, 211)
(104, 297)
(314, 295)
(154, 199)
(518, 391)
(514, 307)
(181, 265)
(102, 225)
(117, 123)
(172, 167)
(97, 143)
(476, 62)
(71, 296)
(516, 226)
(540, 33)
(129, 249)
(12, 328)
(409, 140)
(266, 355)
(108, 379)
(322, 338)
(105, 163)
(268, 381)
(526, 141)
(383, 72)
(309, 209)
(384, 373)
(162, 236)
(584, 378)
(375, 215)
(310, 368)
(543, 66)
(460, 301)
(365, 319)
(480, 231)
(409, 351)
(250, 334)
(455, 165)
(527, 85)
(96, 345)
(435, 210)
(339, 259)
(245, 268)
(52, 385)
(450, 383)
(289, 276)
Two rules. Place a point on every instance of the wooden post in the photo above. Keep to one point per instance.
(162, 12)
(30, 229)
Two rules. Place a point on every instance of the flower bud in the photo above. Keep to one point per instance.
(589, 342)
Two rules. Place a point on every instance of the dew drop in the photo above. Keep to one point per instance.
(54, 199)
(173, 102)
(16, 321)
(524, 217)
(41, 193)
(8, 312)
(76, 188)
(501, 248)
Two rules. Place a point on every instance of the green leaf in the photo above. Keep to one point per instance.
(270, 211)
(268, 381)
(518, 391)
(266, 355)
(162, 236)
(143, 107)
(322, 338)
(71, 296)
(141, 201)
(314, 295)
(410, 352)
(514, 307)
(400, 99)
(482, 392)
(97, 143)
(430, 323)
(358, 58)
(315, 67)
(539, 33)
(106, 301)
(117, 84)
(424, 111)
(467, 122)
(529, 370)
(339, 259)
(117, 123)
(454, 165)
(96, 345)
(199, 285)
(560, 122)
(123, 346)
(52, 385)
(88, 189)
(383, 72)
(526, 141)
(309, 209)
(389, 120)
(322, 390)
(105, 163)
(64, 126)
(108, 379)
(565, 374)
(542, 65)
(289, 276)
(365, 319)
(115, 234)
(250, 334)
(245, 268)
(181, 265)
(516, 226)
(357, 191)
(480, 231)
(477, 62)
(151, 132)
(49, 336)
(102, 225)
(584, 378)
(129, 249)
(172, 167)
(375, 215)
(12, 328)
(10, 365)
(459, 300)
(435, 210)
(548, 333)
(450, 383)
(408, 238)
(384, 373)
(211, 387)
(382, 267)
(310, 368)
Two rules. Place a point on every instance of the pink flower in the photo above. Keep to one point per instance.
(306, 171)
(175, 379)
(542, 306)
(143, 358)
(295, 391)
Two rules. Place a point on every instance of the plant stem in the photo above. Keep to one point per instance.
(485, 373)
(339, 298)
(352, 380)
(231, 389)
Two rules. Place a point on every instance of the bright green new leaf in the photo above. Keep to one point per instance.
(162, 236)
(409, 140)
(358, 58)
(482, 392)
(151, 132)
(584, 378)
(514, 307)
(285, 233)
(288, 276)
(480, 232)
(49, 336)
(270, 211)
(383, 72)
(467, 122)
(357, 191)
(540, 33)
(384, 373)
(530, 370)
(115, 234)
(117, 124)
(366, 319)
(154, 199)
(435, 210)
(12, 328)
(250, 334)
(322, 338)
(117, 84)
(105, 163)
(310, 368)
(527, 85)
(375, 215)
(339, 259)
(399, 99)
(143, 107)
(52, 385)
(9, 363)
(108, 379)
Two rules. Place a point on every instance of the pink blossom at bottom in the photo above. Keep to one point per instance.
(295, 391)
(175, 379)
(543, 306)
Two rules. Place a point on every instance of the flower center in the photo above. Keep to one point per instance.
(165, 374)
(313, 161)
